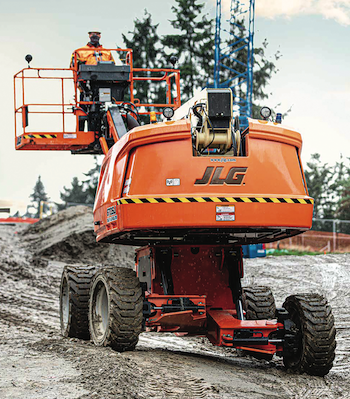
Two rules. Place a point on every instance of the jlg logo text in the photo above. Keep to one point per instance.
(234, 176)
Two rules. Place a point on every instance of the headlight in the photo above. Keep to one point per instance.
(265, 112)
(168, 113)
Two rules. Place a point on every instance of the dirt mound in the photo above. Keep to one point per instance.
(69, 236)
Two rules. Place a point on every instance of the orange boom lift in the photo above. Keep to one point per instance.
(189, 189)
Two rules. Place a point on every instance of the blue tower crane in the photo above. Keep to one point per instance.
(234, 56)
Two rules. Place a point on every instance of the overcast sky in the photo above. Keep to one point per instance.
(312, 35)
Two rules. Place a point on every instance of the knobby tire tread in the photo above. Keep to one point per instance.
(79, 282)
(259, 303)
(318, 334)
(126, 308)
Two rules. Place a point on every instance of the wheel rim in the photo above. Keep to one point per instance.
(295, 317)
(100, 310)
(65, 304)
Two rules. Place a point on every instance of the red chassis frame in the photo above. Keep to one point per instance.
(200, 277)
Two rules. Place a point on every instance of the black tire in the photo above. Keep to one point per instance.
(116, 308)
(259, 303)
(316, 343)
(74, 300)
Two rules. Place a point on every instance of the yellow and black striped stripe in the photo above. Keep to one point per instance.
(171, 200)
(40, 136)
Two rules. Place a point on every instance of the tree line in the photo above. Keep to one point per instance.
(79, 193)
(329, 185)
(192, 43)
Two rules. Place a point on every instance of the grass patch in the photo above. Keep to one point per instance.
(296, 252)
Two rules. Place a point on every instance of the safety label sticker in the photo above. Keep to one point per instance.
(172, 182)
(112, 214)
(225, 213)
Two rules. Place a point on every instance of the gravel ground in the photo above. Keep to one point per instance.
(36, 362)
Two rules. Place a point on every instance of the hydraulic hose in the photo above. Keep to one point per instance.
(198, 115)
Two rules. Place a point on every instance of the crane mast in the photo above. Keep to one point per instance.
(234, 55)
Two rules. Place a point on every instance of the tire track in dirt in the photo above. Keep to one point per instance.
(178, 388)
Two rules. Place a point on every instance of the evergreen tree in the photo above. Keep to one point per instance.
(263, 69)
(147, 53)
(330, 188)
(334, 189)
(343, 205)
(318, 178)
(91, 183)
(75, 194)
(84, 192)
(343, 210)
(233, 64)
(194, 45)
(144, 42)
(39, 195)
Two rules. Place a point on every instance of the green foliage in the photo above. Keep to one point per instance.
(295, 252)
(193, 45)
(330, 187)
(144, 43)
(91, 182)
(84, 192)
(235, 45)
(39, 195)
(263, 71)
(147, 53)
(318, 177)
(343, 208)
(75, 194)
(263, 68)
